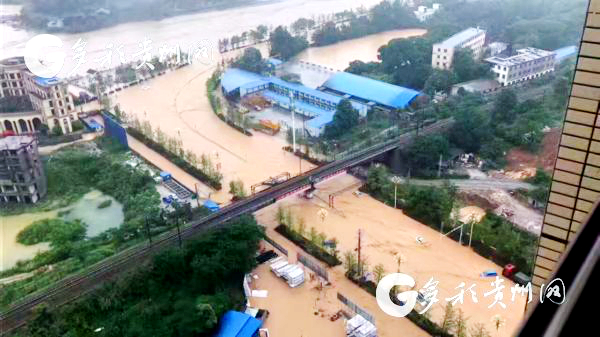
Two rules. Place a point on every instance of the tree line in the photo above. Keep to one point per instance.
(181, 292)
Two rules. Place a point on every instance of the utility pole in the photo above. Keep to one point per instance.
(471, 235)
(359, 263)
(440, 166)
(148, 229)
(293, 122)
(178, 231)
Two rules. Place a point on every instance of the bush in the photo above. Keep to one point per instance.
(77, 125)
(312, 249)
(105, 203)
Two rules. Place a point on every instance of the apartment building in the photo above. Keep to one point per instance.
(527, 64)
(50, 97)
(11, 77)
(22, 178)
(51, 103)
(443, 52)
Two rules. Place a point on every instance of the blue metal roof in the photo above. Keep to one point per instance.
(371, 90)
(235, 78)
(238, 324)
(46, 81)
(274, 61)
(565, 52)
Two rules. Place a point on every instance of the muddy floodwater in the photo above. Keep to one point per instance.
(339, 55)
(183, 30)
(85, 209)
(10, 250)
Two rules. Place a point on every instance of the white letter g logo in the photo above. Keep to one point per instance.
(409, 298)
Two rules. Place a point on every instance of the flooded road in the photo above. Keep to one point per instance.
(386, 234)
(179, 31)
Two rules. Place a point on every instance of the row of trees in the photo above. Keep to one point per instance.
(259, 34)
(175, 146)
(297, 225)
(381, 17)
(182, 292)
(454, 322)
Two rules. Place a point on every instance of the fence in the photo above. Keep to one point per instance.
(276, 245)
(356, 308)
(314, 266)
(115, 130)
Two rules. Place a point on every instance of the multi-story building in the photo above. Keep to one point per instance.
(443, 52)
(423, 13)
(11, 77)
(50, 97)
(51, 104)
(527, 64)
(22, 178)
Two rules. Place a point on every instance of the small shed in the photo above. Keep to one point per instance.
(211, 205)
(165, 175)
(238, 324)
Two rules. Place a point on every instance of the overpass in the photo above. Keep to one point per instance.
(85, 281)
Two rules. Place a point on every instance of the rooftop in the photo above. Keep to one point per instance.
(237, 324)
(522, 56)
(46, 82)
(13, 61)
(371, 90)
(461, 37)
(14, 142)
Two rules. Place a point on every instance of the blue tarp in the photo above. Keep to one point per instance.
(211, 205)
(371, 90)
(238, 324)
(93, 125)
(165, 176)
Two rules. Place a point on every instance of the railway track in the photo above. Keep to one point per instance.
(83, 282)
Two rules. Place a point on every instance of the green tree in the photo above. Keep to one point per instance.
(251, 60)
(284, 45)
(408, 60)
(439, 80)
(344, 119)
(478, 330)
(505, 104)
(379, 272)
(460, 324)
(425, 152)
(466, 67)
(449, 319)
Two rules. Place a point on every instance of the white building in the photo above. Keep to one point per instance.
(50, 97)
(497, 48)
(423, 13)
(443, 52)
(527, 64)
(11, 78)
(52, 104)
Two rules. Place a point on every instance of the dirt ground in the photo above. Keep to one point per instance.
(518, 159)
(387, 232)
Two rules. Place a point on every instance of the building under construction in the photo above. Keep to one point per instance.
(22, 178)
